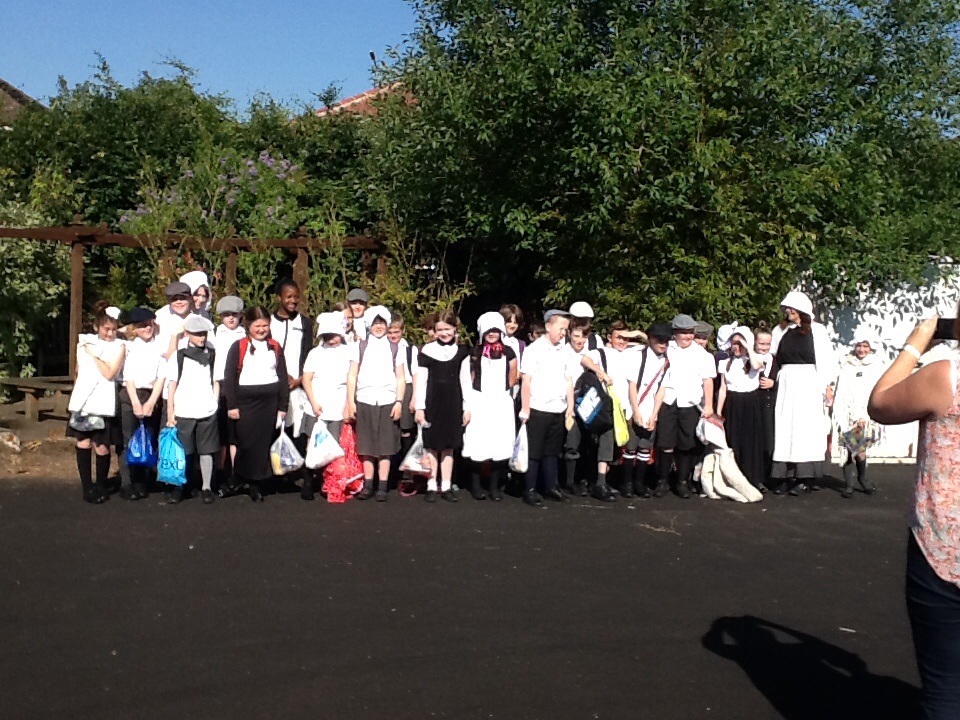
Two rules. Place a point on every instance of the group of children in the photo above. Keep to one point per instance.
(230, 389)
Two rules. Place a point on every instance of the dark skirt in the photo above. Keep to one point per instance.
(255, 430)
(744, 423)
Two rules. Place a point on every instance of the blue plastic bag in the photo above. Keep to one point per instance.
(141, 450)
(172, 461)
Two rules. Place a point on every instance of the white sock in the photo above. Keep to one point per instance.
(206, 470)
(432, 485)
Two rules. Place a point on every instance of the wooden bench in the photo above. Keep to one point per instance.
(35, 388)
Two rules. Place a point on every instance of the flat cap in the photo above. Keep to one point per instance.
(177, 288)
(140, 315)
(704, 329)
(683, 322)
(358, 295)
(229, 304)
(554, 313)
(661, 331)
(197, 324)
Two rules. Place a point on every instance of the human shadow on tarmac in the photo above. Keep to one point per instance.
(805, 678)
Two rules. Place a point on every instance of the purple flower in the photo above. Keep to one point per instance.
(293, 168)
(249, 163)
(188, 174)
(281, 176)
(231, 200)
(269, 212)
(253, 172)
(221, 189)
(221, 177)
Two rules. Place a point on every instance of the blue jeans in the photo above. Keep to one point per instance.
(933, 606)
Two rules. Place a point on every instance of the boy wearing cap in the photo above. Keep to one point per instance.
(230, 309)
(646, 376)
(359, 301)
(374, 396)
(685, 396)
(582, 314)
(702, 333)
(140, 395)
(192, 401)
(325, 377)
(546, 405)
(613, 365)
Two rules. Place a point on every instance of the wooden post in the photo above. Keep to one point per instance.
(366, 262)
(76, 302)
(301, 274)
(381, 266)
(231, 278)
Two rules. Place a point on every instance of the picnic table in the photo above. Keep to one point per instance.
(34, 388)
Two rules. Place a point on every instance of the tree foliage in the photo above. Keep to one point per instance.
(692, 155)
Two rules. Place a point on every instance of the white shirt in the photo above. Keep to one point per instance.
(651, 375)
(620, 365)
(222, 342)
(546, 367)
(144, 363)
(330, 367)
(689, 367)
(194, 396)
(854, 385)
(574, 368)
(738, 379)
(259, 365)
(92, 393)
(377, 379)
(289, 333)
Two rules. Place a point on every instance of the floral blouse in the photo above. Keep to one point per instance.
(936, 507)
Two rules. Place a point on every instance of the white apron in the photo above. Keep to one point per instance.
(800, 421)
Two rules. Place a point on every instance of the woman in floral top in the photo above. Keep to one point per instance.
(931, 396)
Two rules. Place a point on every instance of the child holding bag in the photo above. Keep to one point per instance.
(325, 375)
(93, 418)
(257, 390)
(439, 402)
(192, 402)
(140, 394)
(487, 380)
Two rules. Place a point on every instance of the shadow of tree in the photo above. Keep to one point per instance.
(805, 678)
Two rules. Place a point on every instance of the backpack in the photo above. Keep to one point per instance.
(660, 375)
(244, 343)
(594, 407)
(394, 350)
(181, 355)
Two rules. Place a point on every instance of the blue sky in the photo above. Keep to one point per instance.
(288, 48)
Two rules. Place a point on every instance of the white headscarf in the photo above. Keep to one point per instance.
(197, 279)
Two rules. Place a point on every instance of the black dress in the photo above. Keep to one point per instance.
(444, 402)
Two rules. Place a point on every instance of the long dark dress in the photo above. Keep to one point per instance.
(258, 405)
(444, 401)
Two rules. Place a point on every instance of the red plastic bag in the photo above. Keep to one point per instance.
(344, 476)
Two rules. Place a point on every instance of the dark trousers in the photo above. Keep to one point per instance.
(128, 425)
(934, 609)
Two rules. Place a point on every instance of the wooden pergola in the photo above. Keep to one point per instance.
(79, 237)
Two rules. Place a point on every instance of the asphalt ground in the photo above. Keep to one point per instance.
(791, 608)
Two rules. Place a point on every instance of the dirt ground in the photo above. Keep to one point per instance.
(791, 608)
(45, 451)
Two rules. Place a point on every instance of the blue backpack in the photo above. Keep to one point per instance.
(594, 408)
(172, 463)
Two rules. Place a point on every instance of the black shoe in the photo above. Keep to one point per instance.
(431, 496)
(583, 488)
(307, 495)
(173, 496)
(815, 487)
(91, 496)
(477, 492)
(847, 492)
(450, 496)
(367, 492)
(641, 490)
(208, 497)
(868, 487)
(129, 493)
(555, 494)
(660, 490)
(683, 490)
(603, 493)
(381, 495)
(762, 488)
(495, 493)
(255, 494)
(796, 489)
(141, 490)
(531, 498)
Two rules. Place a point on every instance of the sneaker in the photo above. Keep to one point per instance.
(431, 496)
(208, 497)
(381, 495)
(450, 495)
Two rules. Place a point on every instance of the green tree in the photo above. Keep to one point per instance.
(687, 155)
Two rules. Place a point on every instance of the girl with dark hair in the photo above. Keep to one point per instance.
(741, 405)
(439, 402)
(257, 391)
(486, 380)
(512, 321)
(806, 367)
(93, 403)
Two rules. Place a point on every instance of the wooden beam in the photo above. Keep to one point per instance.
(381, 265)
(301, 273)
(99, 235)
(76, 302)
(230, 279)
